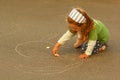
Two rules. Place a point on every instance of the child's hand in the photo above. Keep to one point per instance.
(84, 56)
(55, 52)
(55, 49)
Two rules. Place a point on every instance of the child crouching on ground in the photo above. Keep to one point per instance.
(93, 35)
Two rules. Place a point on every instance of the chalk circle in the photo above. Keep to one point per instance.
(33, 48)
(41, 60)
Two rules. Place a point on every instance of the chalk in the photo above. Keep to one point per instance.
(47, 47)
(56, 55)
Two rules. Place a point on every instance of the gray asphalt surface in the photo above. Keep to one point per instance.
(27, 27)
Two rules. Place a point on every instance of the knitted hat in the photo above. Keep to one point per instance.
(77, 16)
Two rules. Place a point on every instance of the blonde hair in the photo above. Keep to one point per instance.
(85, 29)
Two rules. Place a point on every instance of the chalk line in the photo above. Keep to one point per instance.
(49, 72)
(20, 44)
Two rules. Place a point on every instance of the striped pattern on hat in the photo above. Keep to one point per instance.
(77, 16)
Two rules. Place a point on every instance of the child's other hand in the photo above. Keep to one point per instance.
(84, 56)
(78, 43)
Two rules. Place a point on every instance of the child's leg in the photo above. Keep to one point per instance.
(98, 47)
(83, 47)
(103, 48)
(78, 43)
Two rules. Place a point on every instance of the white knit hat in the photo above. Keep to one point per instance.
(77, 16)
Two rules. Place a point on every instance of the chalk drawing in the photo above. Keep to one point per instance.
(48, 70)
(45, 39)
(45, 69)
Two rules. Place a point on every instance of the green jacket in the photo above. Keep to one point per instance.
(100, 32)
